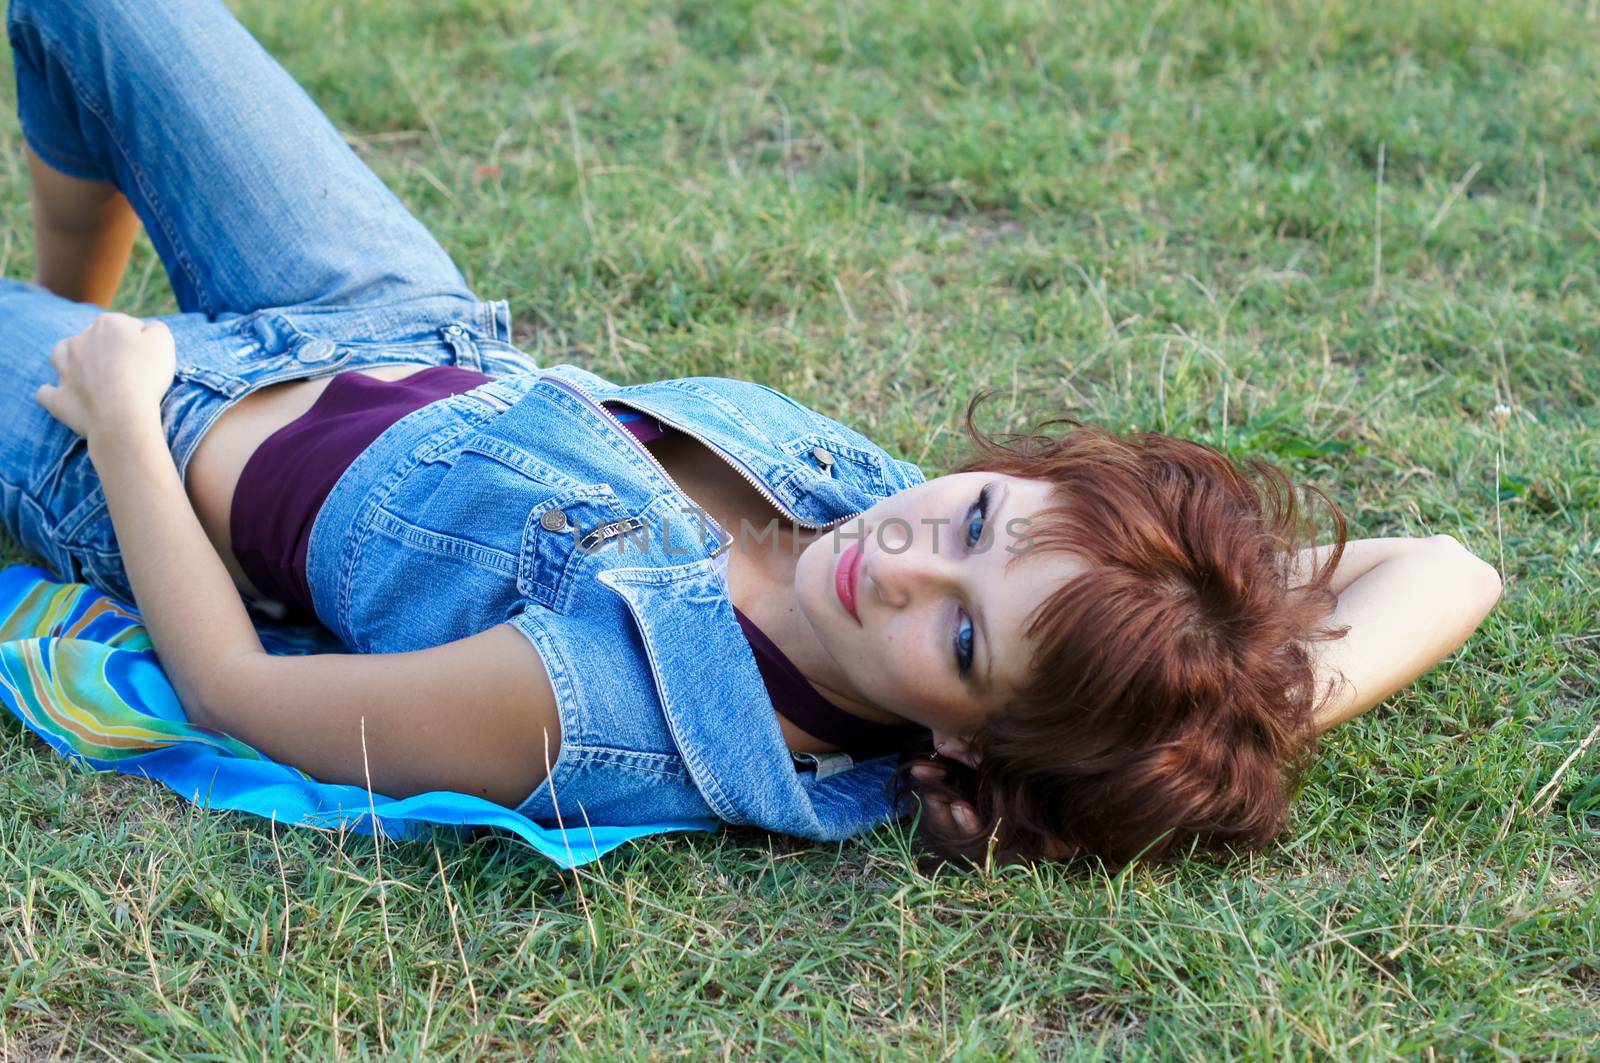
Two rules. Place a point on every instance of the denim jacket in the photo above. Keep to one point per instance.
(291, 260)
(523, 501)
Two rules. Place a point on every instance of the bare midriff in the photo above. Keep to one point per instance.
(220, 458)
(218, 461)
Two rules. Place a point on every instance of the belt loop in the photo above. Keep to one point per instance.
(824, 764)
(485, 394)
(462, 347)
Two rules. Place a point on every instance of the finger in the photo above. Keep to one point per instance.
(937, 810)
(46, 396)
(966, 816)
(113, 323)
(927, 772)
(58, 356)
(1056, 849)
(154, 326)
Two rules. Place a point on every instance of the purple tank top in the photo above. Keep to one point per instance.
(292, 472)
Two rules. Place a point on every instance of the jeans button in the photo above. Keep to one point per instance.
(554, 520)
(318, 350)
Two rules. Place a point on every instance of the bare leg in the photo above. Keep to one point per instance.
(84, 232)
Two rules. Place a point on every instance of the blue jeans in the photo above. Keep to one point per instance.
(290, 259)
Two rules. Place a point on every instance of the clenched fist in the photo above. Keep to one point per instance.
(113, 375)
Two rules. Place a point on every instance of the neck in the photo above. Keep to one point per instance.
(761, 585)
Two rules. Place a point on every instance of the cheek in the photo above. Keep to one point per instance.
(905, 664)
(814, 583)
(898, 513)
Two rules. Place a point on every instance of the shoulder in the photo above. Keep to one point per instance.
(790, 425)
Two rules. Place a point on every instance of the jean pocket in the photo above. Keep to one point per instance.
(829, 457)
(83, 541)
(562, 531)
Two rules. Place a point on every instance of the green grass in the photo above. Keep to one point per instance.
(1156, 215)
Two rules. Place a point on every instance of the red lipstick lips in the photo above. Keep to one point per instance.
(845, 577)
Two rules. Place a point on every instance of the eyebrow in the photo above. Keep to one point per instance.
(988, 646)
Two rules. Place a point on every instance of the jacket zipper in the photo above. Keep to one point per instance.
(737, 465)
(724, 540)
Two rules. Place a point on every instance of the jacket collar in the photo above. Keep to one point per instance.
(721, 716)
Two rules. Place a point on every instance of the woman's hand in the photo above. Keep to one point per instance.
(113, 375)
(955, 816)
(951, 815)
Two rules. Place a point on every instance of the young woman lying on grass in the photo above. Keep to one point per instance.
(618, 605)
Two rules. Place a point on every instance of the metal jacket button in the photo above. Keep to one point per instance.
(554, 520)
(823, 458)
(318, 350)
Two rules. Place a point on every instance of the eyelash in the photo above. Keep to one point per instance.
(981, 508)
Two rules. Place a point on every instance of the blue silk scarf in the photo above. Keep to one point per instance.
(78, 668)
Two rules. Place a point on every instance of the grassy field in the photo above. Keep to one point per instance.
(1362, 239)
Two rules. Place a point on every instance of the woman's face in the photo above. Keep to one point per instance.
(943, 579)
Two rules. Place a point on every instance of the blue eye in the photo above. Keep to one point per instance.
(977, 519)
(964, 646)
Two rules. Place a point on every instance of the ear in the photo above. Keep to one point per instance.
(955, 747)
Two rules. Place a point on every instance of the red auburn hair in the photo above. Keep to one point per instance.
(1171, 699)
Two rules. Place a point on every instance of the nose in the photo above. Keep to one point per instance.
(901, 565)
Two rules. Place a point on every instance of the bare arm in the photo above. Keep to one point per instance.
(1408, 603)
(190, 606)
(476, 716)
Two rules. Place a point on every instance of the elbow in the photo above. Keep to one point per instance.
(1479, 580)
(1489, 586)
(201, 708)
(212, 698)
